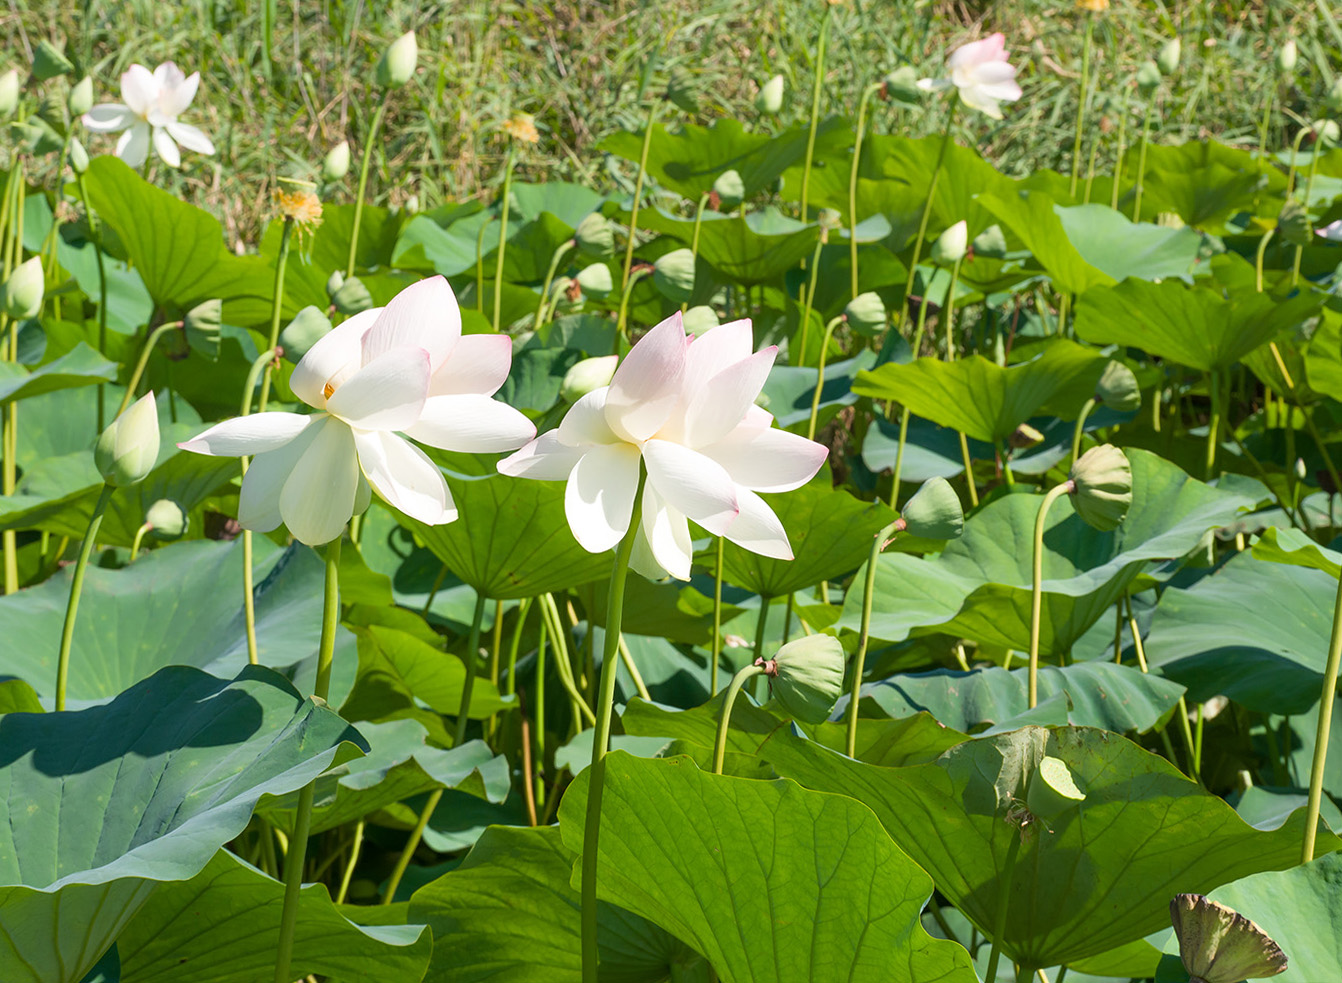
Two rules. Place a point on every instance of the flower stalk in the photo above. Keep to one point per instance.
(133, 383)
(820, 376)
(1326, 701)
(867, 93)
(1037, 584)
(638, 195)
(923, 219)
(363, 184)
(282, 261)
(76, 588)
(821, 45)
(725, 717)
(864, 637)
(503, 238)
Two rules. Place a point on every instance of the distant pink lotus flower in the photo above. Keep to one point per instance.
(152, 101)
(686, 408)
(982, 74)
(1332, 231)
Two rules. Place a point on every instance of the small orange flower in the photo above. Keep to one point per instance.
(299, 204)
(522, 127)
(1094, 6)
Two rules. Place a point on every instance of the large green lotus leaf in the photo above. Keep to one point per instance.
(223, 926)
(830, 531)
(326, 248)
(1086, 881)
(1121, 248)
(790, 389)
(1100, 694)
(768, 880)
(757, 249)
(81, 367)
(1322, 359)
(1034, 219)
(1295, 548)
(674, 611)
(508, 913)
(1199, 327)
(181, 604)
(566, 201)
(450, 250)
(97, 806)
(982, 399)
(1205, 183)
(979, 585)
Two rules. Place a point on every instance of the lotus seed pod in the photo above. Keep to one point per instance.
(730, 189)
(1168, 59)
(352, 296)
(1148, 76)
(336, 163)
(49, 62)
(24, 290)
(167, 520)
(1326, 133)
(589, 374)
(952, 245)
(902, 85)
(673, 274)
(79, 157)
(596, 280)
(202, 325)
(770, 99)
(594, 236)
(1024, 436)
(866, 313)
(1118, 389)
(934, 511)
(9, 92)
(807, 677)
(80, 99)
(991, 242)
(309, 326)
(1287, 56)
(699, 319)
(397, 64)
(683, 90)
(1102, 487)
(1219, 945)
(127, 449)
(1052, 790)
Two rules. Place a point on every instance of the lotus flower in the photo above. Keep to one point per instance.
(983, 75)
(152, 103)
(685, 408)
(404, 367)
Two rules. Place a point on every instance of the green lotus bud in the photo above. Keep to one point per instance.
(333, 284)
(699, 319)
(674, 275)
(1102, 487)
(49, 62)
(309, 326)
(9, 92)
(1334, 98)
(683, 90)
(1118, 389)
(866, 314)
(1287, 56)
(167, 520)
(595, 280)
(991, 242)
(730, 189)
(127, 449)
(807, 676)
(1052, 789)
(79, 157)
(1168, 58)
(901, 85)
(934, 512)
(397, 64)
(352, 297)
(1148, 76)
(770, 99)
(80, 100)
(24, 290)
(594, 235)
(202, 324)
(951, 245)
(1326, 133)
(336, 163)
(1219, 945)
(589, 374)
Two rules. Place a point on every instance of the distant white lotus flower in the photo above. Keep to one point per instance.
(152, 103)
(982, 74)
(404, 367)
(1332, 231)
(686, 408)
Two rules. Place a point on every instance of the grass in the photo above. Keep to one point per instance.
(582, 69)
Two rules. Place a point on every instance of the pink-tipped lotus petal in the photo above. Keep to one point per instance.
(692, 484)
(388, 393)
(334, 358)
(546, 458)
(478, 363)
(647, 385)
(758, 529)
(423, 315)
(768, 460)
(472, 424)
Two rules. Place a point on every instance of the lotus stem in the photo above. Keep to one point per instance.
(1309, 191)
(76, 588)
(633, 209)
(145, 352)
(1003, 904)
(472, 659)
(1037, 584)
(631, 667)
(355, 848)
(1080, 427)
(1141, 157)
(725, 717)
(248, 596)
(559, 254)
(601, 734)
(821, 44)
(102, 286)
(820, 376)
(867, 93)
(1258, 260)
(694, 239)
(1120, 148)
(717, 620)
(623, 318)
(276, 307)
(864, 636)
(1214, 425)
(363, 184)
(927, 213)
(9, 432)
(1081, 102)
(540, 712)
(1328, 697)
(480, 264)
(503, 237)
(1295, 153)
(808, 301)
(904, 413)
(135, 543)
(563, 665)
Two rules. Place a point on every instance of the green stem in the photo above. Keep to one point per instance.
(248, 597)
(503, 237)
(694, 240)
(601, 733)
(927, 213)
(540, 712)
(1037, 584)
(1309, 191)
(717, 620)
(623, 317)
(472, 658)
(1080, 427)
(563, 661)
(1003, 905)
(725, 718)
(480, 264)
(808, 301)
(820, 376)
(1213, 425)
(821, 44)
(102, 284)
(1081, 102)
(76, 587)
(1326, 702)
(1258, 258)
(864, 636)
(363, 185)
(852, 180)
(355, 849)
(276, 306)
(559, 254)
(510, 683)
(148, 350)
(1141, 157)
(1120, 149)
(638, 194)
(135, 543)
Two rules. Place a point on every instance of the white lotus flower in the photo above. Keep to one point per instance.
(1332, 231)
(152, 103)
(685, 407)
(404, 367)
(983, 75)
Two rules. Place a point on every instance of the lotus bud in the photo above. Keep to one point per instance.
(902, 85)
(934, 512)
(309, 326)
(770, 99)
(1333, 100)
(201, 326)
(673, 274)
(951, 245)
(1219, 945)
(79, 157)
(807, 676)
(595, 280)
(594, 235)
(127, 449)
(9, 92)
(397, 64)
(589, 374)
(80, 100)
(336, 163)
(730, 189)
(166, 519)
(1326, 133)
(698, 320)
(1148, 76)
(333, 284)
(562, 291)
(1052, 790)
(991, 242)
(1102, 487)
(1168, 58)
(352, 297)
(1287, 56)
(24, 290)
(49, 62)
(683, 90)
(1118, 389)
(410, 206)
(866, 313)
(1024, 436)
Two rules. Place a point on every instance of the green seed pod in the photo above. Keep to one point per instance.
(333, 284)
(807, 676)
(991, 242)
(336, 163)
(594, 236)
(901, 85)
(934, 511)
(1024, 436)
(1118, 389)
(699, 319)
(167, 520)
(952, 245)
(9, 92)
(397, 64)
(866, 314)
(24, 289)
(309, 326)
(683, 90)
(1102, 487)
(79, 157)
(202, 324)
(730, 189)
(127, 449)
(1326, 133)
(1168, 58)
(674, 275)
(352, 297)
(770, 98)
(595, 280)
(1219, 945)
(49, 62)
(589, 374)
(1148, 76)
(1287, 56)
(80, 99)
(1052, 790)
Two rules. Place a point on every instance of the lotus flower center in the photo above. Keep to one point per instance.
(328, 391)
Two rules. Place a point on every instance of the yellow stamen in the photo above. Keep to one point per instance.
(328, 391)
